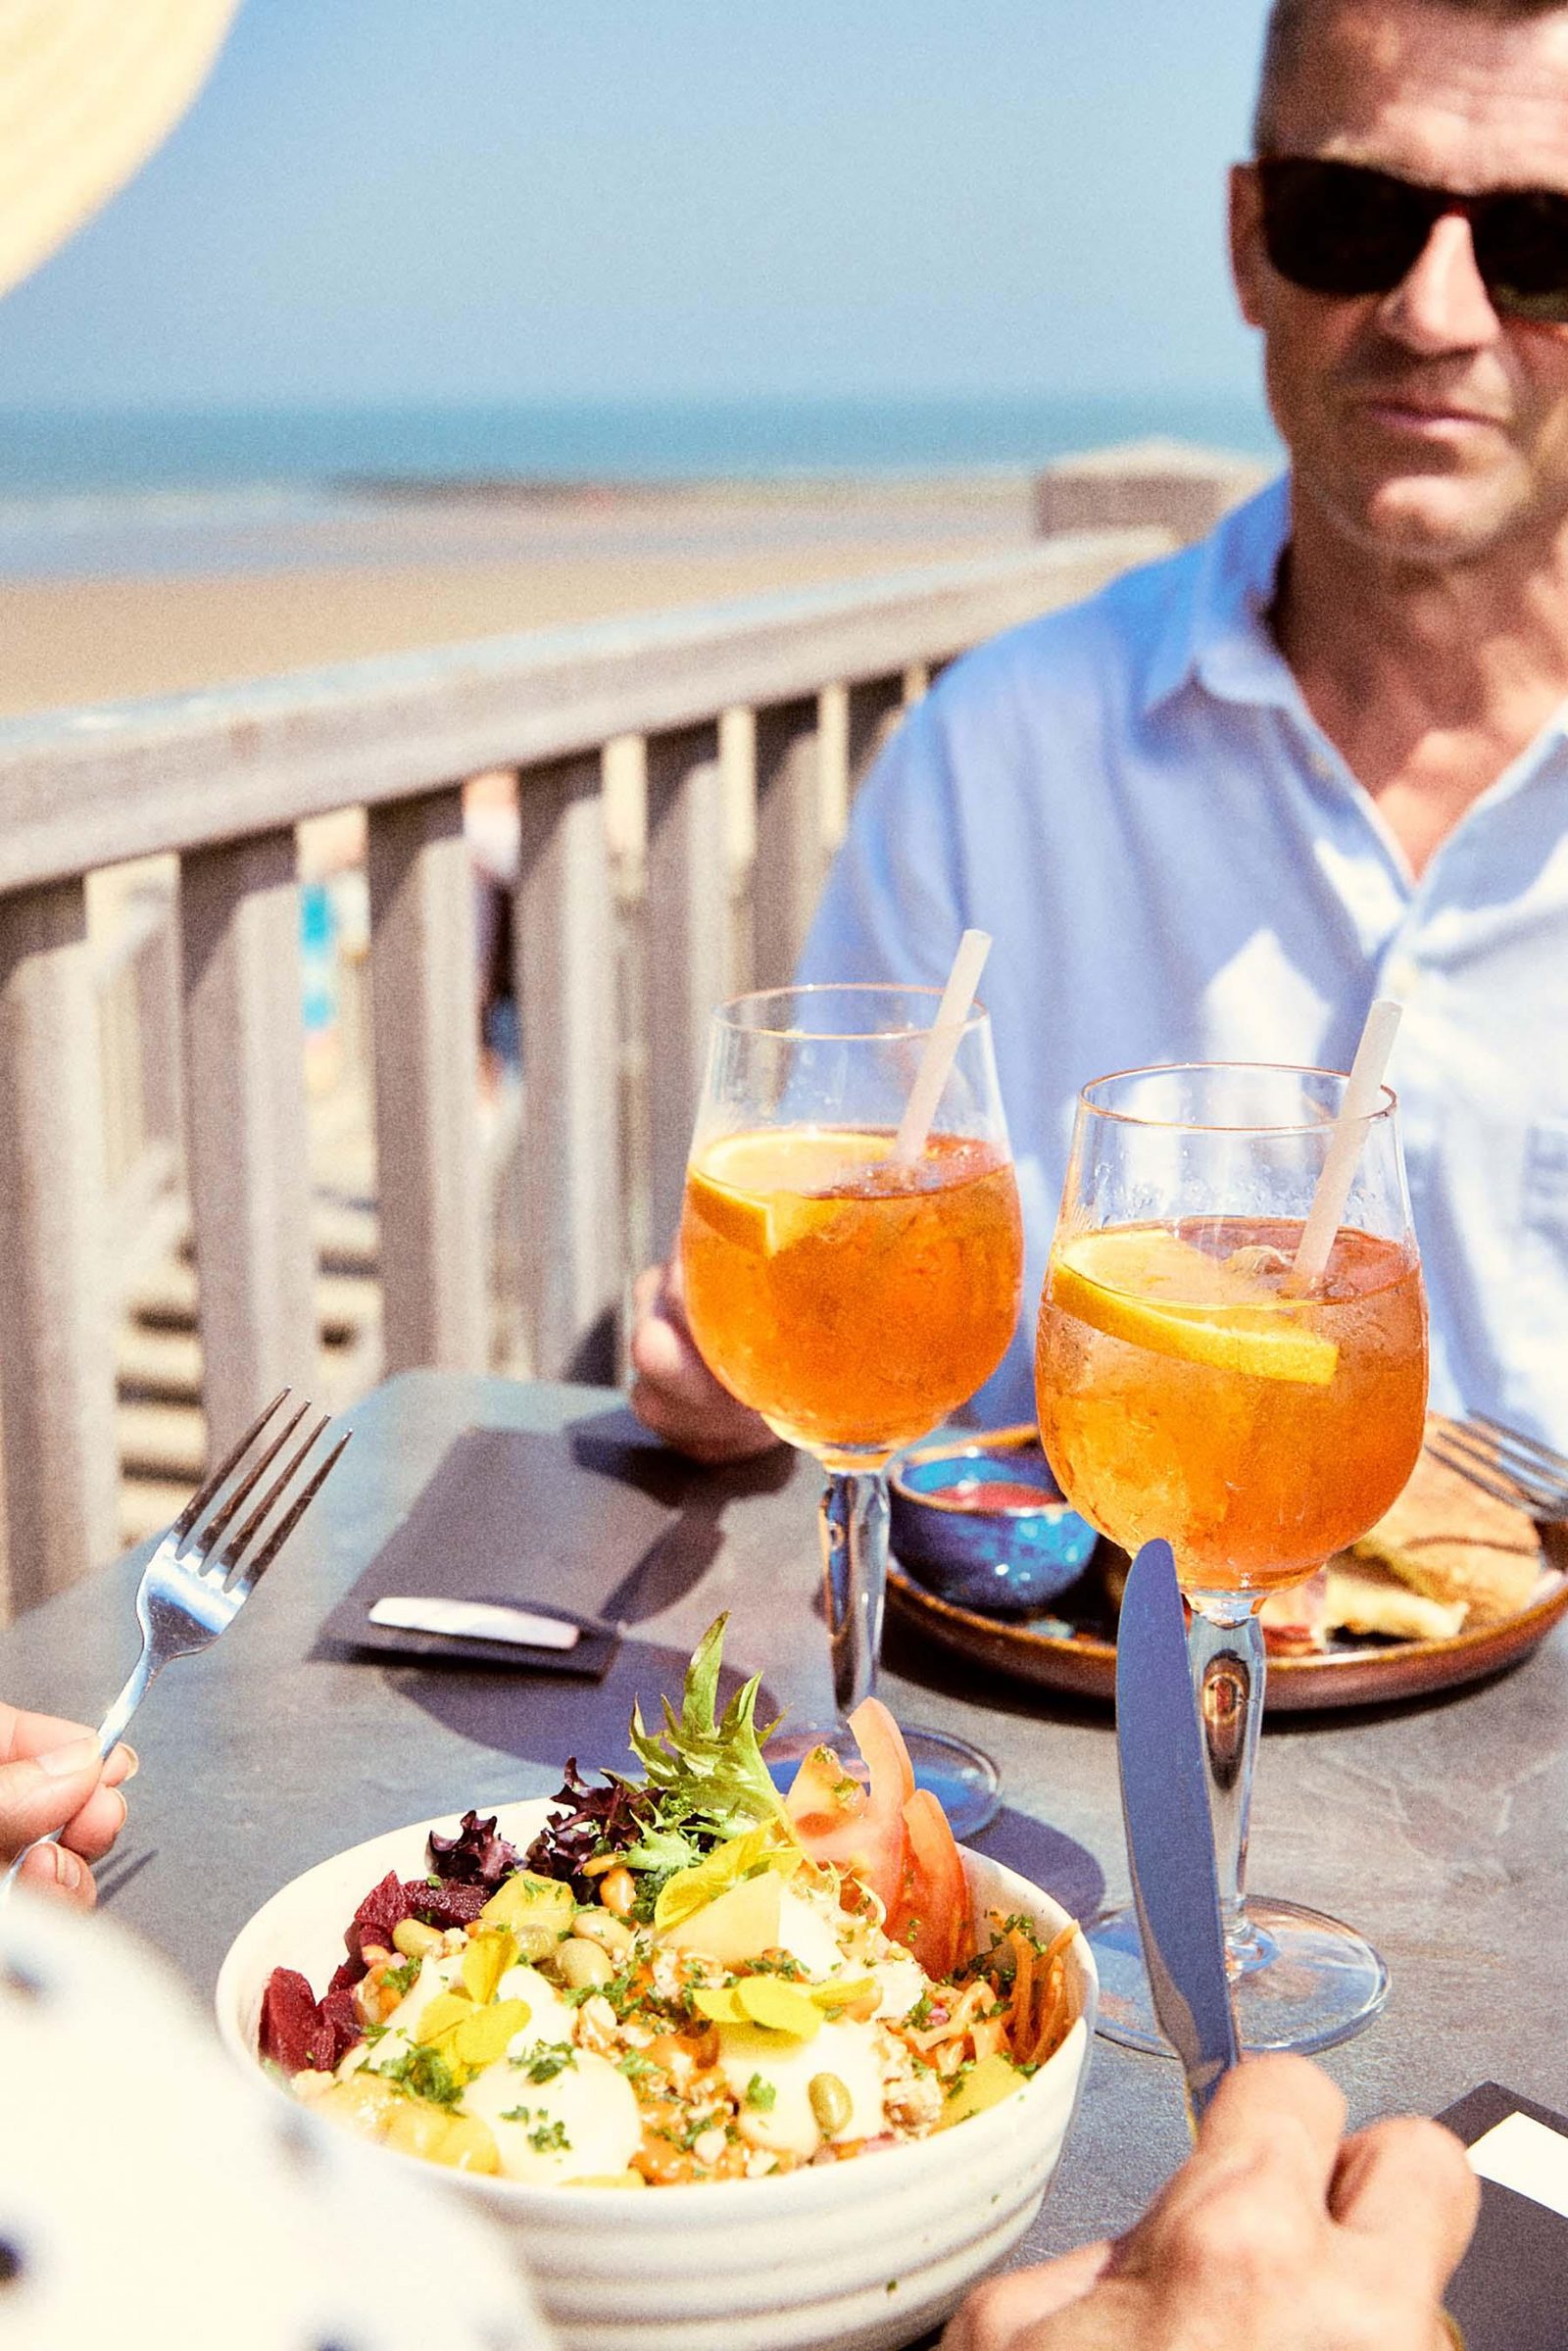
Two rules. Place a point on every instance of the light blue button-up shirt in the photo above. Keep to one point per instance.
(1176, 864)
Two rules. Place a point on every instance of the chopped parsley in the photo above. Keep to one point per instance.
(424, 2074)
(544, 2063)
(401, 1978)
(760, 2095)
(546, 2137)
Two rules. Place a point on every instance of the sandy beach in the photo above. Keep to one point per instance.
(389, 573)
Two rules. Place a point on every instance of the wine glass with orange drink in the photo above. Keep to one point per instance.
(1198, 1380)
(853, 1290)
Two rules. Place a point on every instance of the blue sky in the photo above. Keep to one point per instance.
(404, 200)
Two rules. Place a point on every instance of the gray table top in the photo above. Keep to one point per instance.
(1440, 1827)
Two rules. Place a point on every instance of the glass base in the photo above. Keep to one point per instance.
(1311, 1982)
(965, 1781)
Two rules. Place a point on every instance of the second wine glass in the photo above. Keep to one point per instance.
(853, 1299)
(1194, 1382)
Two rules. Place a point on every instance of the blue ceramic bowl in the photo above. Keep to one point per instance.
(1005, 1557)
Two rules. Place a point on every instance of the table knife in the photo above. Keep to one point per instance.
(1170, 1837)
(475, 1620)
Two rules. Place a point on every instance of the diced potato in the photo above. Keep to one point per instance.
(469, 2145)
(524, 1900)
(418, 2129)
(760, 1914)
(985, 2084)
(364, 2103)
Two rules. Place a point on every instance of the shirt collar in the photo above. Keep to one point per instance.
(1216, 631)
(1217, 634)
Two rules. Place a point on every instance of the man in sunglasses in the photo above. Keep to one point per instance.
(1214, 811)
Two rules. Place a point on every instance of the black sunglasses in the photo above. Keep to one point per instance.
(1343, 228)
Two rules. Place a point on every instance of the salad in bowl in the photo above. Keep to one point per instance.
(685, 1978)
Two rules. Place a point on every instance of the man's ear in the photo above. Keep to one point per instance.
(1248, 258)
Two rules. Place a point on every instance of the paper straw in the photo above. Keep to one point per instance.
(1362, 1093)
(941, 1044)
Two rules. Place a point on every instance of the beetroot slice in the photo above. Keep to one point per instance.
(290, 2020)
(448, 1904)
(300, 2031)
(384, 1907)
(343, 2030)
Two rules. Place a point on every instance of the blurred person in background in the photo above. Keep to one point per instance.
(1320, 757)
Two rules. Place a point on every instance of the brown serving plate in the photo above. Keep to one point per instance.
(1082, 1660)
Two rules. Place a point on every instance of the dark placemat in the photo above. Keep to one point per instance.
(1508, 2293)
(515, 1518)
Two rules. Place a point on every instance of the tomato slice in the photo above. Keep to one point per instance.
(887, 1758)
(867, 1836)
(931, 1917)
(824, 1795)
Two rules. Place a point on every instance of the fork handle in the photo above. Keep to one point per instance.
(109, 1734)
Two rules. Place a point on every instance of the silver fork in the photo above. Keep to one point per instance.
(187, 1596)
(1504, 1462)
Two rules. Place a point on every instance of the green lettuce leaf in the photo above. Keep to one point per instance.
(706, 1768)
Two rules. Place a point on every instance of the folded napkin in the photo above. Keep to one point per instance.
(1507, 2293)
(528, 1522)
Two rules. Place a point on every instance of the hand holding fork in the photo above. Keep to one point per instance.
(190, 1592)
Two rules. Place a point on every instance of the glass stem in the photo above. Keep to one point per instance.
(1225, 1643)
(854, 1524)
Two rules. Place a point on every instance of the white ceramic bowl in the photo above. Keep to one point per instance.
(862, 2256)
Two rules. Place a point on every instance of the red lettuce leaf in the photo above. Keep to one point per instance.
(476, 1856)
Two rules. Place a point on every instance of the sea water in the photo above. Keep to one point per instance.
(154, 491)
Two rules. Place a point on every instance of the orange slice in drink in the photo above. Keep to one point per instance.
(1155, 1291)
(764, 1191)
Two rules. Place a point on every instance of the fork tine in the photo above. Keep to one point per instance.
(230, 1556)
(226, 1509)
(1529, 1452)
(296, 1510)
(1475, 1468)
(203, 1493)
(1531, 1477)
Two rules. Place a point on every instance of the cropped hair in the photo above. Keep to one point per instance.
(1289, 31)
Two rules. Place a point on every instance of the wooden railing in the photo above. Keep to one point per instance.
(220, 780)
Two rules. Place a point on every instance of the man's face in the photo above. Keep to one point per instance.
(1421, 423)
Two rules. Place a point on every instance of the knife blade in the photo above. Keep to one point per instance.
(475, 1620)
(1171, 1836)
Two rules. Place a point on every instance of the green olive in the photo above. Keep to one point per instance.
(831, 2103)
(582, 1963)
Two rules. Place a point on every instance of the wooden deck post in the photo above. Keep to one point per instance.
(425, 1012)
(247, 1146)
(791, 847)
(56, 1354)
(566, 983)
(686, 927)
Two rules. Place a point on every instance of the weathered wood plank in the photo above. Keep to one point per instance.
(87, 789)
(56, 1354)
(425, 1018)
(566, 983)
(686, 921)
(246, 1145)
(790, 837)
